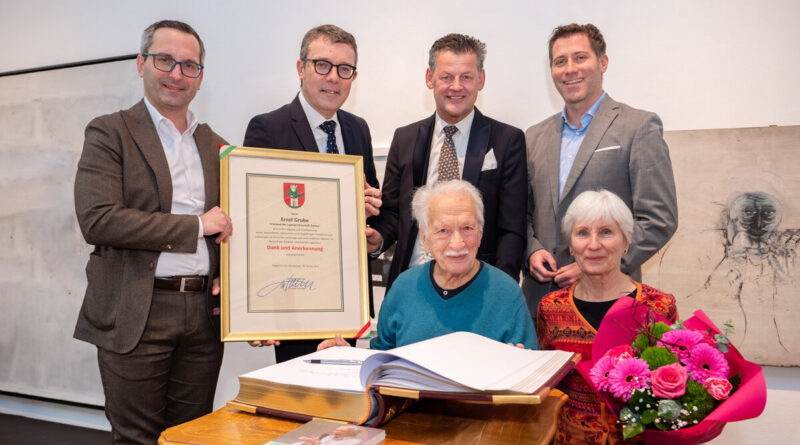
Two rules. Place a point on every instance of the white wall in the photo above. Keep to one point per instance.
(711, 64)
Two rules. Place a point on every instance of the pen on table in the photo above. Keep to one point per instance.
(334, 362)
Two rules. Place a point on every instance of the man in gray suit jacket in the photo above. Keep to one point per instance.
(146, 196)
(594, 143)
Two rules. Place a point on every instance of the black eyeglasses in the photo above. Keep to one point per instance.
(323, 67)
(165, 62)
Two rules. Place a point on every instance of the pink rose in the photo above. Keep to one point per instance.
(719, 389)
(669, 381)
(620, 352)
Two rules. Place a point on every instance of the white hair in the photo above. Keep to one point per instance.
(424, 194)
(600, 205)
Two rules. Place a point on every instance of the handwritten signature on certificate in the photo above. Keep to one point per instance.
(290, 282)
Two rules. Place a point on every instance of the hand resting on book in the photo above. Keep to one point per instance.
(336, 341)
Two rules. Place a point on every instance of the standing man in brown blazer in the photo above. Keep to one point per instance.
(146, 196)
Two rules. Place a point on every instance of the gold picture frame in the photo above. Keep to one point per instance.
(296, 265)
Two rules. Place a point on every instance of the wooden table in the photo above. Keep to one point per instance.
(426, 422)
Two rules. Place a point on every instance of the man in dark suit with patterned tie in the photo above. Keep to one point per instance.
(457, 141)
(314, 121)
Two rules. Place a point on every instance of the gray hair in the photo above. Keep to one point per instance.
(328, 32)
(147, 35)
(458, 44)
(424, 194)
(600, 205)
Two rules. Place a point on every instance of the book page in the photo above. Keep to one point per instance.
(322, 376)
(475, 362)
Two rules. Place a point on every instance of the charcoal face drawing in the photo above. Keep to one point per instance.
(759, 260)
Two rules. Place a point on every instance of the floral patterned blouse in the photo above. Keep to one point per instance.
(585, 419)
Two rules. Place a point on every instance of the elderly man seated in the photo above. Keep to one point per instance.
(454, 291)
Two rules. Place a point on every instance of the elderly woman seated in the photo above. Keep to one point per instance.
(599, 227)
(454, 291)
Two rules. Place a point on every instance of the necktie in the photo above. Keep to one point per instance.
(448, 159)
(330, 128)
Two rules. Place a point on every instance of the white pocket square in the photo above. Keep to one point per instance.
(613, 147)
(489, 161)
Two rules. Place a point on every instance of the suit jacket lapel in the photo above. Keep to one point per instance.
(141, 128)
(210, 160)
(605, 115)
(552, 144)
(349, 136)
(477, 146)
(301, 127)
(421, 154)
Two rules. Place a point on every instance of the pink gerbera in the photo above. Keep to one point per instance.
(681, 341)
(630, 374)
(599, 372)
(705, 361)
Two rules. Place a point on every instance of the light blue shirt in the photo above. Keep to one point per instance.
(571, 140)
(315, 120)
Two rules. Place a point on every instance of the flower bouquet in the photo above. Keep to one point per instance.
(671, 383)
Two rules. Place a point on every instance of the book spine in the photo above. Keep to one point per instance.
(388, 407)
(283, 414)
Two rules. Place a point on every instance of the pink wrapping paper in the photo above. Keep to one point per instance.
(620, 326)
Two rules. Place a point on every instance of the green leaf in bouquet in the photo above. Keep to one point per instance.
(696, 403)
(662, 424)
(626, 415)
(658, 356)
(728, 328)
(650, 335)
(648, 416)
(641, 400)
(631, 429)
(735, 382)
(669, 409)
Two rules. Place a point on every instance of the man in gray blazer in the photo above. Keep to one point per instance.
(594, 143)
(146, 196)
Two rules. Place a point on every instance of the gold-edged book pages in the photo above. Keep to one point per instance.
(296, 264)
(458, 366)
(304, 400)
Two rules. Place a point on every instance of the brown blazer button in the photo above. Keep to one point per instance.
(151, 265)
(169, 246)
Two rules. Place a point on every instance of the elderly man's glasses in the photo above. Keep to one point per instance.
(323, 67)
(165, 62)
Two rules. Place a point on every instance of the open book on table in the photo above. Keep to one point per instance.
(460, 365)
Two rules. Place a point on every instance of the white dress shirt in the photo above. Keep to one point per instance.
(460, 141)
(188, 191)
(314, 120)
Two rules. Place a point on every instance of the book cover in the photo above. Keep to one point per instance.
(326, 432)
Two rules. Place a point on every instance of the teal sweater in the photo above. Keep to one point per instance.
(492, 306)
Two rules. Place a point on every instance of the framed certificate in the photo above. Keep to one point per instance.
(296, 265)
